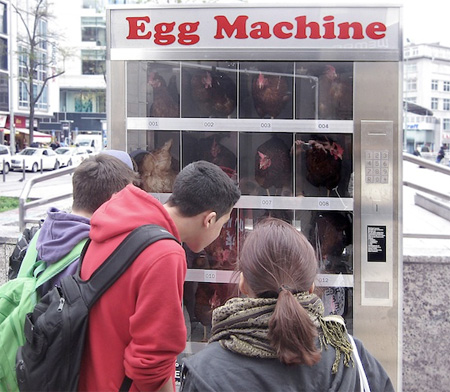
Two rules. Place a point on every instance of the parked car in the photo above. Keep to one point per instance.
(71, 156)
(34, 158)
(5, 159)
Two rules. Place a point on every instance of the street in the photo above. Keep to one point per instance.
(12, 184)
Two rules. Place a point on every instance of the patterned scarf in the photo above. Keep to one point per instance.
(242, 325)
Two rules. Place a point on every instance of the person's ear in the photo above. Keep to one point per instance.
(243, 288)
(209, 219)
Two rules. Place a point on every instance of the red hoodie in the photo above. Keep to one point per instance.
(137, 327)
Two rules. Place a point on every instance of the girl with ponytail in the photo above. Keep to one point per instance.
(277, 337)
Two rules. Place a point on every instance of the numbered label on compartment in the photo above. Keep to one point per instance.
(209, 124)
(210, 276)
(267, 202)
(153, 123)
(323, 204)
(265, 125)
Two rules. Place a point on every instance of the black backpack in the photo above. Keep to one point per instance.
(55, 332)
(19, 251)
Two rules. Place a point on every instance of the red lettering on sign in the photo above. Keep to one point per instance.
(224, 25)
(161, 33)
(184, 38)
(165, 32)
(260, 30)
(301, 28)
(344, 30)
(329, 27)
(278, 30)
(373, 29)
(135, 28)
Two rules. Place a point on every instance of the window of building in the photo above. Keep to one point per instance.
(434, 84)
(4, 54)
(446, 85)
(23, 94)
(411, 68)
(446, 124)
(411, 85)
(3, 19)
(93, 62)
(446, 104)
(93, 29)
(4, 92)
(92, 101)
(434, 103)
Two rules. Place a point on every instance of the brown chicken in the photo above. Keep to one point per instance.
(217, 153)
(335, 96)
(270, 94)
(214, 93)
(157, 170)
(208, 297)
(323, 162)
(273, 167)
(165, 98)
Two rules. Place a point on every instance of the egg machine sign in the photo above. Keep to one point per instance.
(220, 29)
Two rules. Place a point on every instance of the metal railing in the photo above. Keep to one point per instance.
(24, 206)
(445, 197)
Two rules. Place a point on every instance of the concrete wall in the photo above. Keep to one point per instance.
(426, 323)
(6, 248)
(426, 319)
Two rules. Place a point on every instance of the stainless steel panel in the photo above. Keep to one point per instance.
(377, 321)
(116, 108)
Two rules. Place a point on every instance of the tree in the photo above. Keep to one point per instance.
(36, 67)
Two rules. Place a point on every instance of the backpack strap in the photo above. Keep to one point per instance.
(49, 271)
(118, 262)
(29, 259)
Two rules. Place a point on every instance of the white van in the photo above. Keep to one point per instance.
(94, 142)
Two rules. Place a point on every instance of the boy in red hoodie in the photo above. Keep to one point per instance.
(137, 329)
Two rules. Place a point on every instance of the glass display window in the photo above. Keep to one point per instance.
(219, 148)
(324, 90)
(323, 165)
(265, 161)
(156, 155)
(209, 89)
(266, 90)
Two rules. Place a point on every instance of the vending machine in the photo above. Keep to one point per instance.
(302, 107)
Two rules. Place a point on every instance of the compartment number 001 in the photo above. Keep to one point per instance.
(153, 124)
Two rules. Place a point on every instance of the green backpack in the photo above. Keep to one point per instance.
(18, 297)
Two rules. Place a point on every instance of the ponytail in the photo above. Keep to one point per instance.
(292, 334)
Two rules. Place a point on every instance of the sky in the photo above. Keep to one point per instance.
(426, 21)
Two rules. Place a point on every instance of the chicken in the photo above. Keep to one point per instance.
(273, 166)
(208, 297)
(157, 170)
(270, 94)
(335, 96)
(165, 98)
(215, 152)
(214, 93)
(323, 162)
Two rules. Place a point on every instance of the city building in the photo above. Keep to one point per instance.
(426, 86)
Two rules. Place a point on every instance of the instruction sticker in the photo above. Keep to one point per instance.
(376, 243)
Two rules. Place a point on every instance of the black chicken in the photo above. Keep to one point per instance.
(270, 94)
(165, 98)
(323, 162)
(214, 93)
(273, 166)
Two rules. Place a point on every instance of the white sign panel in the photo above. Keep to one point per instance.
(254, 28)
